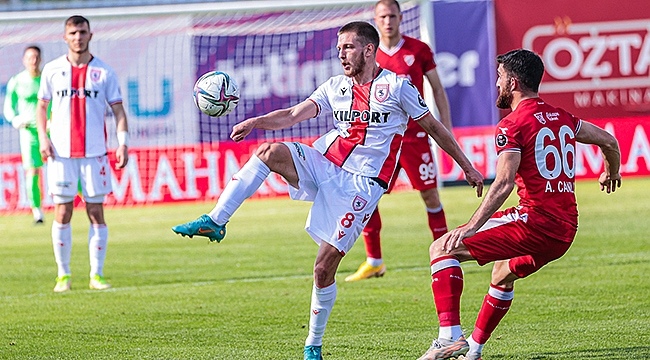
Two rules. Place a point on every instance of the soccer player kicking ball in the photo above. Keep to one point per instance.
(346, 171)
(536, 146)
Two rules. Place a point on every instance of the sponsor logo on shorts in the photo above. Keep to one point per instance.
(299, 150)
(63, 184)
(359, 203)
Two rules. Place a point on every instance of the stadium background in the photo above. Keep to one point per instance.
(280, 51)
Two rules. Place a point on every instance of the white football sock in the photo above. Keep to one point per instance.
(450, 332)
(242, 185)
(62, 245)
(474, 347)
(322, 301)
(374, 262)
(97, 243)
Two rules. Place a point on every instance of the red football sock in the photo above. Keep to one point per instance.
(495, 306)
(447, 286)
(371, 236)
(437, 222)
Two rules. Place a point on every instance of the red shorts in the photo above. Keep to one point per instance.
(417, 160)
(506, 235)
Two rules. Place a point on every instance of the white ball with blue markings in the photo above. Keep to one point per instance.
(216, 93)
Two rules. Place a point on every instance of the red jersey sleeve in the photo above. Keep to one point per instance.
(507, 136)
(426, 56)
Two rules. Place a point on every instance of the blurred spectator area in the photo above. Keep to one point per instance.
(23, 5)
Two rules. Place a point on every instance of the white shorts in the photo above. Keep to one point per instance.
(93, 174)
(343, 202)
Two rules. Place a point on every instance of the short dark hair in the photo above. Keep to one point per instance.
(77, 20)
(366, 33)
(524, 65)
(33, 47)
(389, 3)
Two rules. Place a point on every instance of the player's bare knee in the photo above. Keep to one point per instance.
(322, 276)
(264, 151)
(436, 249)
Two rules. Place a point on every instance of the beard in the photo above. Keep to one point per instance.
(504, 100)
(357, 67)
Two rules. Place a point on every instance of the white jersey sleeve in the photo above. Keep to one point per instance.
(411, 100)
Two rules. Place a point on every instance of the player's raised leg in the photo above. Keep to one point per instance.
(268, 157)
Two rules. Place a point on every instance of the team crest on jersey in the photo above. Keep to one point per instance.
(409, 59)
(359, 203)
(426, 158)
(540, 117)
(95, 74)
(381, 92)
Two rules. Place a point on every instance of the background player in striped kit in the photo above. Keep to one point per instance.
(79, 86)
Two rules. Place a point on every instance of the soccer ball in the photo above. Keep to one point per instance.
(216, 93)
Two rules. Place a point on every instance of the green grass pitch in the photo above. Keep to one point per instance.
(248, 297)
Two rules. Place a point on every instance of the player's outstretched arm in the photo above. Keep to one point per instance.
(275, 120)
(610, 179)
(446, 141)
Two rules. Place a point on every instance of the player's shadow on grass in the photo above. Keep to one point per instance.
(621, 353)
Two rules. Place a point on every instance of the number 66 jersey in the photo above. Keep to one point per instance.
(546, 138)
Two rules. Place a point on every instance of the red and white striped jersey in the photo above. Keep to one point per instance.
(410, 58)
(79, 97)
(369, 121)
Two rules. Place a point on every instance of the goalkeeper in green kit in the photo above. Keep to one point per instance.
(20, 111)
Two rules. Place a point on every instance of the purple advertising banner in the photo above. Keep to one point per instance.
(465, 53)
(273, 71)
(277, 65)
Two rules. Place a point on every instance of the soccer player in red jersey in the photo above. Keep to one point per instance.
(536, 146)
(79, 87)
(413, 59)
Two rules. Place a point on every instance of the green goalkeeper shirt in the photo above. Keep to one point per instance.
(21, 99)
